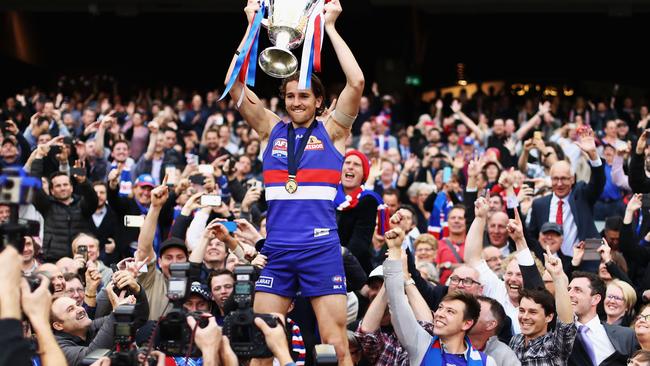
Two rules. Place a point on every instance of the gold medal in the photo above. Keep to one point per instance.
(291, 186)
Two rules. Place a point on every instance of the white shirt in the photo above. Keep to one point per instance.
(569, 227)
(603, 347)
(495, 288)
(98, 216)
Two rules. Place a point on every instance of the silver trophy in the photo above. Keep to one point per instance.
(287, 22)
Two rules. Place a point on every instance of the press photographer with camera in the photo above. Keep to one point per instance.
(78, 335)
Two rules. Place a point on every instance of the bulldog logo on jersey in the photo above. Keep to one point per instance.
(314, 144)
(279, 148)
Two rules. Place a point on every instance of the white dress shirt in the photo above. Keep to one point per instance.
(569, 227)
(98, 216)
(603, 347)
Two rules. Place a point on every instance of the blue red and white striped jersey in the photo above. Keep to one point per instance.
(306, 218)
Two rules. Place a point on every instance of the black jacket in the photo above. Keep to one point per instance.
(16, 349)
(356, 227)
(107, 228)
(99, 335)
(63, 222)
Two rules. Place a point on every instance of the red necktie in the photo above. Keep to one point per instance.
(558, 217)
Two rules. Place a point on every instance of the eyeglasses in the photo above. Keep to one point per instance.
(645, 317)
(455, 280)
(614, 297)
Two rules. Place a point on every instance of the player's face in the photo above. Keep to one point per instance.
(301, 104)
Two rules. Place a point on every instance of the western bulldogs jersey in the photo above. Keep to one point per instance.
(307, 217)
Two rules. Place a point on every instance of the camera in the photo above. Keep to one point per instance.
(175, 333)
(123, 353)
(17, 188)
(246, 339)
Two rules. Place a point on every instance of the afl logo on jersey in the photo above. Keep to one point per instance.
(314, 144)
(279, 148)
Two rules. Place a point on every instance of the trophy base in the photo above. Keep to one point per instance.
(278, 62)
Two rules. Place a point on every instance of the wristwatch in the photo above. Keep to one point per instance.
(410, 281)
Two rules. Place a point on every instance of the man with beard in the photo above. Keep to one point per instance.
(65, 213)
(302, 164)
(210, 149)
(78, 335)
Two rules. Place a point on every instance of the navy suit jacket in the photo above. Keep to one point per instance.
(623, 339)
(581, 200)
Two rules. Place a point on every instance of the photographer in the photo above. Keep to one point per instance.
(77, 335)
(65, 213)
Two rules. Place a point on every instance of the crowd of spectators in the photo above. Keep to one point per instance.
(519, 227)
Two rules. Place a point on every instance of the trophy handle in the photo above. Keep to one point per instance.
(278, 62)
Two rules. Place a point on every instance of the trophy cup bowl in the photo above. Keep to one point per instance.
(287, 21)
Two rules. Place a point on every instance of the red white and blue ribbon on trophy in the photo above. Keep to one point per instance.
(246, 63)
(312, 45)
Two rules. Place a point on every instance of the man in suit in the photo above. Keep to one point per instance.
(571, 204)
(103, 225)
(597, 343)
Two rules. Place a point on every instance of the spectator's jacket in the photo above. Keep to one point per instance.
(639, 181)
(63, 222)
(99, 335)
(581, 200)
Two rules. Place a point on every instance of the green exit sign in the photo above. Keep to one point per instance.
(414, 80)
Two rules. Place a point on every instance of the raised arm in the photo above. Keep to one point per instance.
(372, 320)
(474, 239)
(347, 106)
(561, 282)
(261, 119)
(456, 108)
(535, 121)
(148, 230)
(410, 334)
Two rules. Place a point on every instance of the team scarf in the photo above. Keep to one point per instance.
(345, 202)
(435, 356)
(438, 218)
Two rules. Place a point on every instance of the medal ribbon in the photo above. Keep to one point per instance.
(293, 155)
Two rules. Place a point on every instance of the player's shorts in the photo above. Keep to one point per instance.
(313, 272)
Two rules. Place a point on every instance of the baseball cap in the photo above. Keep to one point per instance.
(145, 180)
(199, 289)
(468, 141)
(10, 139)
(551, 226)
(377, 272)
(173, 243)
